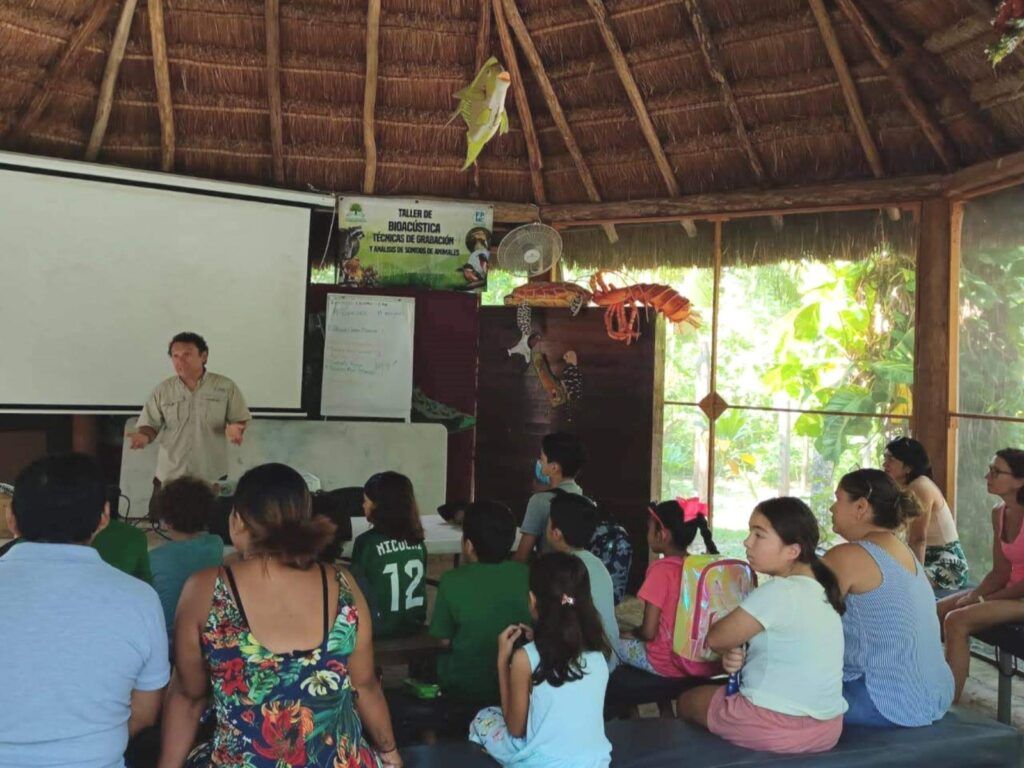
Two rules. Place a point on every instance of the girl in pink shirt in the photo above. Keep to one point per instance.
(671, 528)
(999, 598)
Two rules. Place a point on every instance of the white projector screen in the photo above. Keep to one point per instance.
(96, 277)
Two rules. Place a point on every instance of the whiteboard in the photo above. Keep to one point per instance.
(339, 453)
(97, 276)
(368, 350)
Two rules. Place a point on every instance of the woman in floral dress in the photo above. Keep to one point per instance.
(282, 645)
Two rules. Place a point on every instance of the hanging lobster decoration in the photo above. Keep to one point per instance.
(621, 316)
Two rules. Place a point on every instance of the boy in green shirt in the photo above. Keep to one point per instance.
(476, 601)
(125, 547)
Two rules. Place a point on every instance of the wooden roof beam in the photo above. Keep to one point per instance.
(162, 77)
(915, 52)
(483, 44)
(272, 10)
(43, 92)
(967, 30)
(849, 90)
(109, 83)
(713, 61)
(273, 40)
(920, 111)
(987, 176)
(868, 193)
(962, 32)
(611, 42)
(848, 87)
(370, 94)
(533, 153)
(515, 21)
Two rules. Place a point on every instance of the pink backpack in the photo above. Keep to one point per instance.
(711, 587)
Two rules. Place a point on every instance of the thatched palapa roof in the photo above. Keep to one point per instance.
(627, 98)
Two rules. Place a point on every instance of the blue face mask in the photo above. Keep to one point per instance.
(539, 473)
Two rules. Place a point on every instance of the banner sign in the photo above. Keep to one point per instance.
(422, 243)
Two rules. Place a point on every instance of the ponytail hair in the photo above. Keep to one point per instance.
(794, 523)
(567, 623)
(672, 515)
(892, 507)
(273, 502)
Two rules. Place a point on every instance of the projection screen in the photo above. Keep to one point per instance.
(95, 278)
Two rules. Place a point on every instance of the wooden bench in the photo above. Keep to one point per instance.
(628, 688)
(398, 651)
(1008, 640)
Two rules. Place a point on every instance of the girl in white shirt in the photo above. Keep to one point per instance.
(790, 696)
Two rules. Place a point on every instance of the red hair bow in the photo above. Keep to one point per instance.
(692, 508)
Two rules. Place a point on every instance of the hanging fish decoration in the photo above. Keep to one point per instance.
(566, 389)
(482, 107)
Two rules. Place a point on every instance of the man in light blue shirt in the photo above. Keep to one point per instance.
(85, 649)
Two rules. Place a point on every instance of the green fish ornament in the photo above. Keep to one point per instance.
(482, 106)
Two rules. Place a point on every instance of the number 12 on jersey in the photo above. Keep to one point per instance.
(414, 570)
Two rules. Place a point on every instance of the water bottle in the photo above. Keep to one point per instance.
(733, 686)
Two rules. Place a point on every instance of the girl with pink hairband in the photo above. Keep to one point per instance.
(671, 528)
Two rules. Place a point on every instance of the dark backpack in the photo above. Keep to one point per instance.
(611, 544)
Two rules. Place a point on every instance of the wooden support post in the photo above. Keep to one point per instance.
(713, 384)
(658, 327)
(508, 51)
(273, 35)
(109, 84)
(917, 108)
(43, 92)
(955, 240)
(515, 21)
(370, 94)
(932, 348)
(162, 77)
(643, 117)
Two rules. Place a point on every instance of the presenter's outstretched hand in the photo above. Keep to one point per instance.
(139, 440)
(235, 432)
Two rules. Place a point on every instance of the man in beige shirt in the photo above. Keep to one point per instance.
(195, 413)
